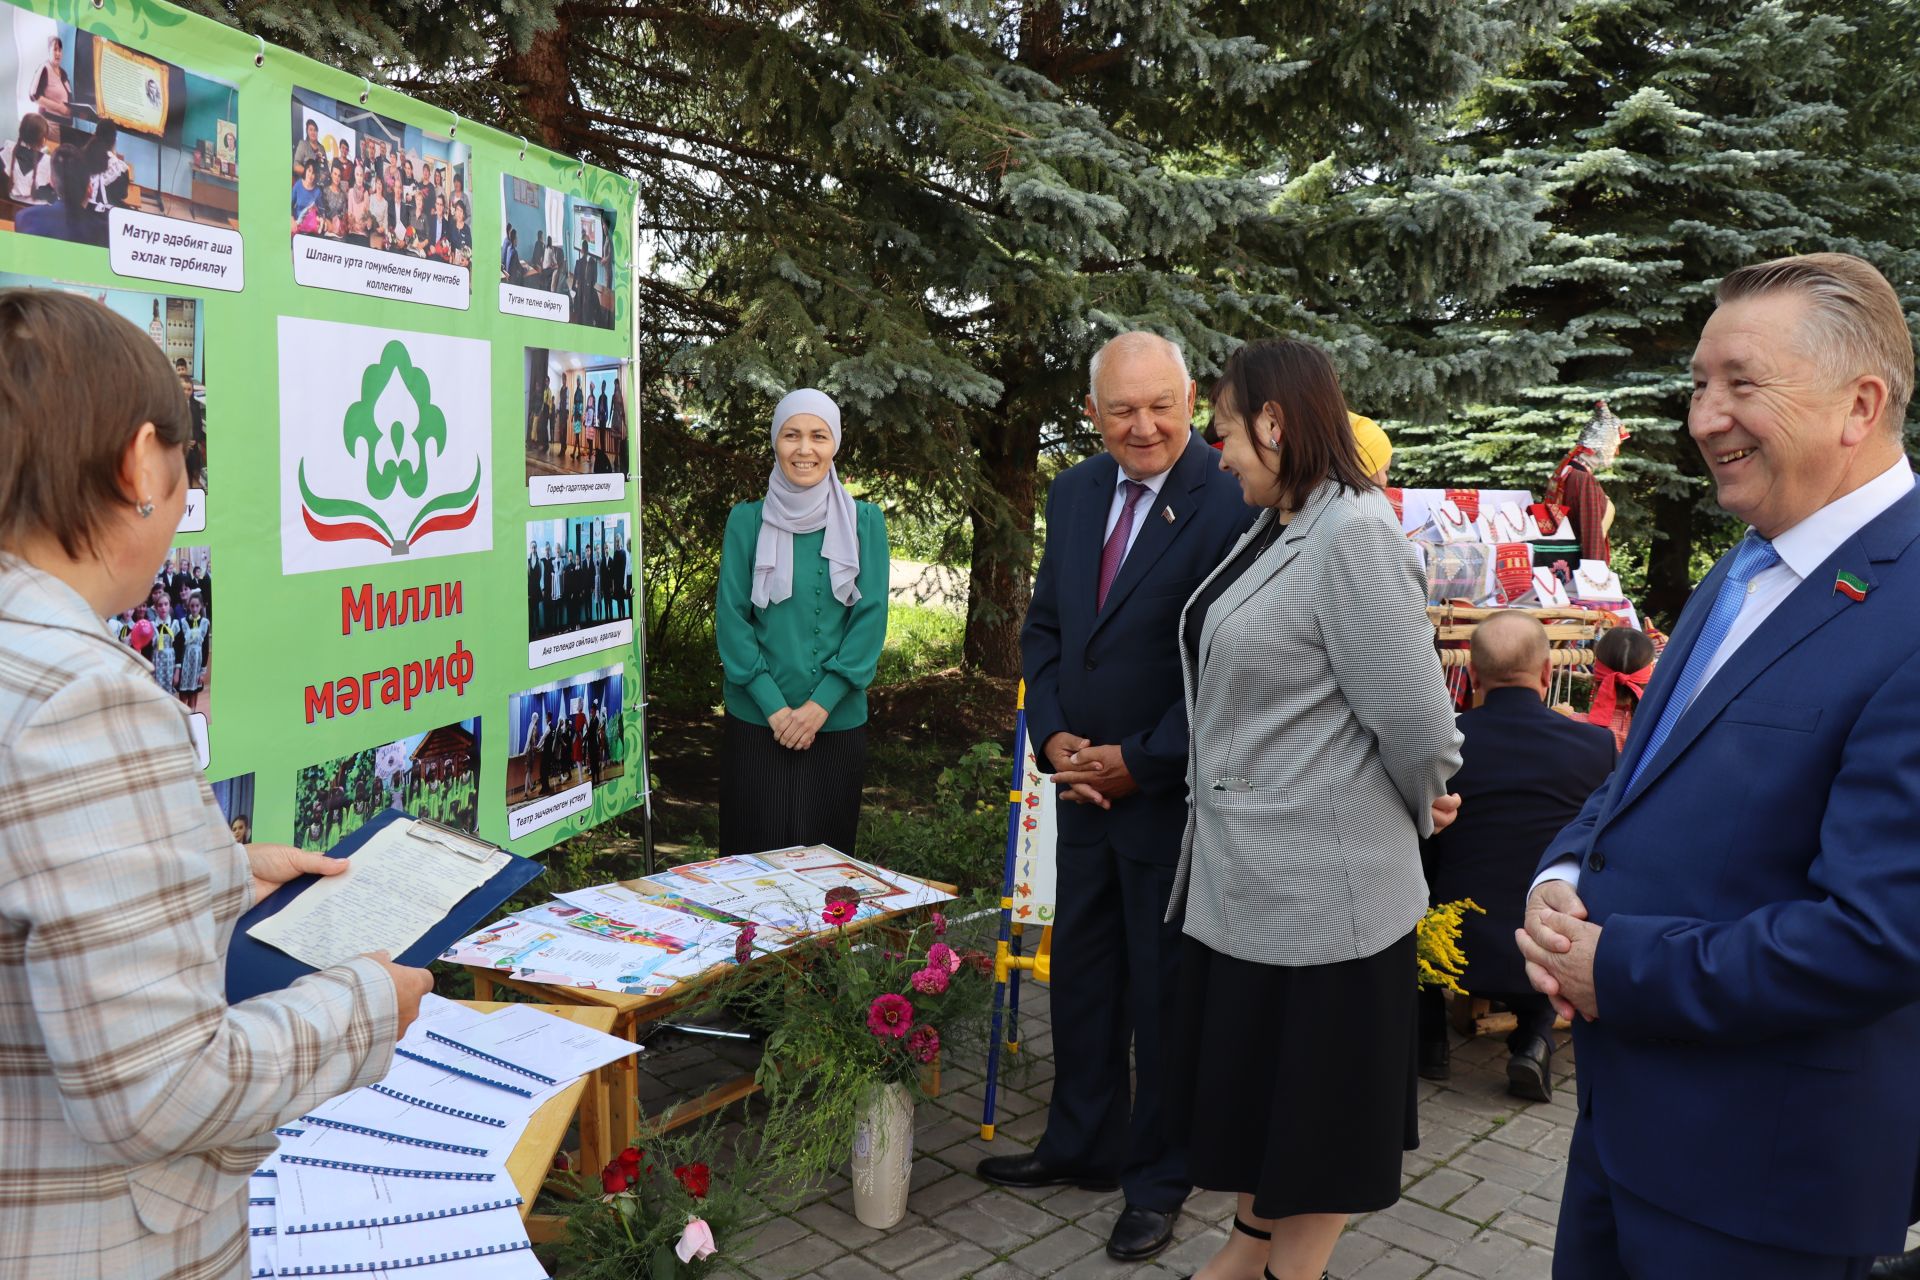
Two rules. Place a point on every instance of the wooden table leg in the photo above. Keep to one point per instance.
(596, 1148)
(482, 985)
(623, 1090)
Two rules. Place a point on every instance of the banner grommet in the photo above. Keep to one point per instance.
(260, 58)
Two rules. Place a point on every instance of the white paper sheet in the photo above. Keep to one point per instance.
(324, 1141)
(554, 953)
(371, 1109)
(394, 1242)
(538, 1041)
(398, 885)
(311, 1195)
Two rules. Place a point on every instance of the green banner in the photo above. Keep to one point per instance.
(408, 344)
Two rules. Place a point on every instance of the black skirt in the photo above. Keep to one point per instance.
(771, 798)
(1297, 1085)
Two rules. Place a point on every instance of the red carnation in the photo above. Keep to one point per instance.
(839, 913)
(613, 1179)
(696, 1178)
(890, 1015)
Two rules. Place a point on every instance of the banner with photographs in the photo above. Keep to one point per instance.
(393, 446)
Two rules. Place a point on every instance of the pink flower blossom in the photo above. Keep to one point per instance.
(939, 925)
(924, 1044)
(840, 913)
(743, 942)
(941, 956)
(695, 1242)
(930, 981)
(890, 1015)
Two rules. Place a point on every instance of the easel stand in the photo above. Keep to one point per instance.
(1008, 962)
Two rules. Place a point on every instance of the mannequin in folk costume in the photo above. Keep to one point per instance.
(1574, 487)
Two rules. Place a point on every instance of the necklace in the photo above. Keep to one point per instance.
(1604, 580)
(1270, 534)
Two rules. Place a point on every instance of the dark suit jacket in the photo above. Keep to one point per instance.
(1114, 676)
(1758, 888)
(1525, 772)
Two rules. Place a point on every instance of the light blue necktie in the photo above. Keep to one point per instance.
(1750, 558)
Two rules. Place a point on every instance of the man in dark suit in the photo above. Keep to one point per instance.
(1525, 773)
(536, 589)
(622, 602)
(1130, 534)
(1735, 917)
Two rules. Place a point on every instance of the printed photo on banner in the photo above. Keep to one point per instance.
(579, 586)
(385, 437)
(434, 775)
(379, 208)
(567, 740)
(578, 441)
(112, 147)
(556, 255)
(235, 797)
(178, 327)
(173, 631)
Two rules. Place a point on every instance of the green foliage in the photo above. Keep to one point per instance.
(630, 1235)
(959, 836)
(1671, 141)
(821, 1060)
(920, 639)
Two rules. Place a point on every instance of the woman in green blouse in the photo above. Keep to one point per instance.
(802, 615)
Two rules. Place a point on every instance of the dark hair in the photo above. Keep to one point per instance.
(1625, 649)
(68, 360)
(105, 134)
(1298, 381)
(71, 179)
(33, 135)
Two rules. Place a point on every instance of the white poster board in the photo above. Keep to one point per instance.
(1034, 876)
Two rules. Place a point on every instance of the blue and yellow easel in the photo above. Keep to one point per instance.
(1008, 962)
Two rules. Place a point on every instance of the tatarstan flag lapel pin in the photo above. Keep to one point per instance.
(1851, 586)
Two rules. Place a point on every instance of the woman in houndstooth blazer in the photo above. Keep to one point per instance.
(133, 1100)
(1322, 743)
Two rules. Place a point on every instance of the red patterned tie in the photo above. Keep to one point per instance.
(1115, 551)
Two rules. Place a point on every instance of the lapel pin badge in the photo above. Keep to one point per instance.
(1851, 586)
(1166, 513)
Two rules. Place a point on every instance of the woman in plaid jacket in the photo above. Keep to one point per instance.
(134, 1100)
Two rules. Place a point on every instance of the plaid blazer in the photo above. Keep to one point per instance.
(133, 1099)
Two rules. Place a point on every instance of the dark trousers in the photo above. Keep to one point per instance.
(773, 798)
(1114, 979)
(1534, 1011)
(1608, 1233)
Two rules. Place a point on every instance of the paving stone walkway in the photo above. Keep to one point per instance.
(1481, 1194)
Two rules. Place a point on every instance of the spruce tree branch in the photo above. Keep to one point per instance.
(697, 139)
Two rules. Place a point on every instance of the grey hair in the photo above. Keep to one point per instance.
(1854, 322)
(1130, 341)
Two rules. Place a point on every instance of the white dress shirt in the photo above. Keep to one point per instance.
(1154, 484)
(1802, 549)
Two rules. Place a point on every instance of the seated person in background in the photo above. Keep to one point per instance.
(1525, 774)
(29, 167)
(69, 217)
(1622, 665)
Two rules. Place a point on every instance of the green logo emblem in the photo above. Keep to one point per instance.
(393, 393)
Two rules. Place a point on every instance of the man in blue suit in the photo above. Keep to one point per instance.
(1130, 534)
(1735, 916)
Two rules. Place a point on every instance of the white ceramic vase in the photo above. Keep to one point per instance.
(883, 1156)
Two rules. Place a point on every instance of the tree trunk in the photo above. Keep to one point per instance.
(1669, 565)
(1001, 513)
(544, 81)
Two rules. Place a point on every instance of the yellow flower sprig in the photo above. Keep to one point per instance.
(1437, 945)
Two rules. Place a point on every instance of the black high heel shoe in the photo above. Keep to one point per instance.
(1239, 1224)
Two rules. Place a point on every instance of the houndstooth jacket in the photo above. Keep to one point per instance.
(134, 1100)
(1322, 735)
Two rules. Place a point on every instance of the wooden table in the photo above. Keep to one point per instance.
(622, 1121)
(532, 1157)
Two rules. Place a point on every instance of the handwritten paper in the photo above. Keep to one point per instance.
(397, 886)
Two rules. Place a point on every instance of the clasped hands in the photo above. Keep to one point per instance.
(1558, 943)
(794, 727)
(1088, 774)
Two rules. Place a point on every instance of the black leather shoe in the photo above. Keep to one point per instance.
(1029, 1170)
(1530, 1071)
(1900, 1266)
(1436, 1060)
(1139, 1234)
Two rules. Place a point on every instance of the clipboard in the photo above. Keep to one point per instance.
(253, 967)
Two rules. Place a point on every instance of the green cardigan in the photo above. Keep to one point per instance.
(808, 646)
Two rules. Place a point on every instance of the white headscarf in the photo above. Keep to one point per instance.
(790, 509)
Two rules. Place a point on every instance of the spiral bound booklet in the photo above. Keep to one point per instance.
(395, 1243)
(508, 1260)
